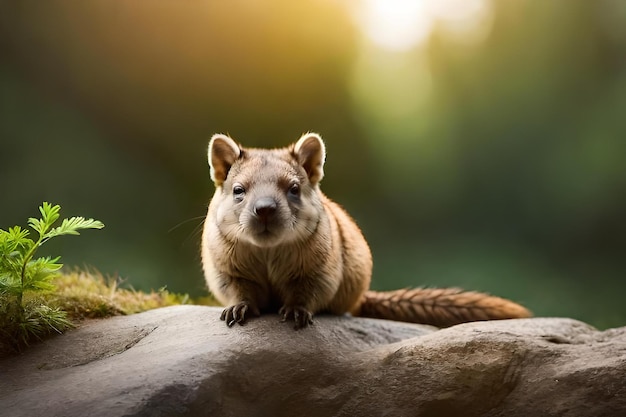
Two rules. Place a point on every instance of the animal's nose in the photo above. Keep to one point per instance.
(264, 208)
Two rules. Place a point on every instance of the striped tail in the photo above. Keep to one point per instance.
(441, 307)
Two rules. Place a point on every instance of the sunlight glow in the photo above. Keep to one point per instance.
(399, 25)
(395, 24)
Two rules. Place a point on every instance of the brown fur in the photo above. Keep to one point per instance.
(273, 241)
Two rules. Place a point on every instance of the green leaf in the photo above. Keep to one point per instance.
(72, 225)
(40, 273)
(13, 240)
(38, 225)
(9, 285)
(12, 263)
(49, 215)
(18, 234)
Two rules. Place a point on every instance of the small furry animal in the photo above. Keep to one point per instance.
(272, 241)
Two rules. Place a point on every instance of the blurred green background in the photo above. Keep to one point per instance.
(478, 143)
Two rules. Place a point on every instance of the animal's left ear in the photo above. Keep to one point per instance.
(223, 152)
(310, 152)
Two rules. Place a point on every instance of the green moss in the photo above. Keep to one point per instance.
(91, 295)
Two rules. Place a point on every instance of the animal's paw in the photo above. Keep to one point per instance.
(301, 316)
(237, 313)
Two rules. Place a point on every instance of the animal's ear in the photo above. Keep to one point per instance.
(223, 152)
(310, 152)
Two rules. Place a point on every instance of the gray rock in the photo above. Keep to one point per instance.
(183, 361)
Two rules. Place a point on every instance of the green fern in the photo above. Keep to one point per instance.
(21, 275)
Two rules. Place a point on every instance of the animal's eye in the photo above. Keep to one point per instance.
(238, 191)
(294, 190)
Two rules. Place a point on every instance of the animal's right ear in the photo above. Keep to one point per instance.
(223, 152)
(310, 152)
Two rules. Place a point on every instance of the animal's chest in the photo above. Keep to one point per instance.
(272, 266)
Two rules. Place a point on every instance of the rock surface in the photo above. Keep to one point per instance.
(183, 361)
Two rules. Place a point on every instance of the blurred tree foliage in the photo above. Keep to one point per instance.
(492, 163)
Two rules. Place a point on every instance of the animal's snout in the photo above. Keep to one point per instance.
(265, 208)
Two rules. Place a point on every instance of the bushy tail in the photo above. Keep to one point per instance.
(441, 307)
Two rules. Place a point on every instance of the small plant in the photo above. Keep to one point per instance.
(24, 315)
